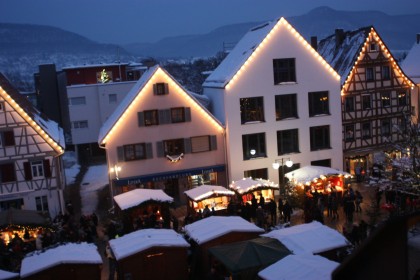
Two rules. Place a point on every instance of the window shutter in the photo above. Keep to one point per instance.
(27, 170)
(213, 142)
(149, 150)
(47, 168)
(166, 88)
(140, 118)
(187, 113)
(159, 149)
(187, 145)
(120, 154)
(164, 116)
(154, 89)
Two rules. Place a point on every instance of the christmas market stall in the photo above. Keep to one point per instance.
(213, 197)
(214, 231)
(151, 254)
(144, 208)
(248, 188)
(65, 262)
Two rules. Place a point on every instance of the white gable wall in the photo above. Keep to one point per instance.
(256, 80)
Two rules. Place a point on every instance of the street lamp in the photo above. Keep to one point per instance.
(276, 165)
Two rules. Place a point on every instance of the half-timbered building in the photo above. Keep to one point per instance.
(375, 95)
(31, 169)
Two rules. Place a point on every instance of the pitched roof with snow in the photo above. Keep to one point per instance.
(53, 133)
(138, 196)
(72, 253)
(141, 240)
(134, 92)
(204, 191)
(245, 49)
(215, 226)
(247, 185)
(411, 64)
(309, 238)
(343, 57)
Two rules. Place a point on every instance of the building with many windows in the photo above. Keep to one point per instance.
(31, 169)
(279, 100)
(161, 137)
(375, 96)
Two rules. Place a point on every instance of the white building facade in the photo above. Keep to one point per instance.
(279, 101)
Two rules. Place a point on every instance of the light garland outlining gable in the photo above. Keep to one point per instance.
(374, 37)
(269, 37)
(175, 158)
(31, 122)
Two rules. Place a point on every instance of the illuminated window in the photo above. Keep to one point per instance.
(253, 146)
(286, 106)
(366, 131)
(252, 109)
(349, 104)
(349, 132)
(284, 70)
(80, 124)
(151, 117)
(160, 89)
(385, 99)
(81, 100)
(402, 99)
(287, 141)
(369, 74)
(112, 98)
(366, 102)
(320, 137)
(103, 76)
(318, 103)
(386, 73)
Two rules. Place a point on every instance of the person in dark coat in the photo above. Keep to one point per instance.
(287, 211)
(273, 212)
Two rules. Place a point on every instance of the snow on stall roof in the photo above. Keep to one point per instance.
(144, 239)
(308, 267)
(308, 173)
(410, 64)
(343, 57)
(72, 253)
(248, 184)
(138, 196)
(309, 238)
(238, 56)
(4, 275)
(215, 226)
(204, 191)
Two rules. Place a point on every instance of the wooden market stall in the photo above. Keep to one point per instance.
(151, 254)
(248, 187)
(66, 262)
(144, 208)
(212, 231)
(216, 197)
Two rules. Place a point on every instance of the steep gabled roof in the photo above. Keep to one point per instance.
(342, 58)
(411, 63)
(247, 47)
(134, 93)
(49, 130)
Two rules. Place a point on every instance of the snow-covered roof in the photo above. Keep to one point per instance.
(308, 173)
(221, 76)
(32, 115)
(309, 238)
(138, 196)
(132, 94)
(213, 227)
(94, 65)
(246, 185)
(204, 191)
(343, 56)
(144, 239)
(72, 253)
(4, 275)
(411, 64)
(308, 267)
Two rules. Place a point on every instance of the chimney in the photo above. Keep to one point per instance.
(418, 38)
(314, 42)
(339, 37)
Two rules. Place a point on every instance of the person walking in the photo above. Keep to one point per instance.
(287, 211)
(273, 212)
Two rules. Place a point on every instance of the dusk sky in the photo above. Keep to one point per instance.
(127, 21)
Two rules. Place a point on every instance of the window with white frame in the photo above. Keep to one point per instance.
(37, 169)
(42, 203)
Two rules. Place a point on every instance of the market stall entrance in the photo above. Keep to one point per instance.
(248, 188)
(144, 208)
(212, 197)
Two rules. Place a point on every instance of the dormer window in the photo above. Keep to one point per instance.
(160, 89)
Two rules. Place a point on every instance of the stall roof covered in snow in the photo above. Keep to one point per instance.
(411, 65)
(138, 196)
(132, 94)
(308, 267)
(310, 238)
(246, 185)
(341, 53)
(308, 173)
(4, 275)
(204, 191)
(72, 253)
(141, 240)
(213, 227)
(50, 127)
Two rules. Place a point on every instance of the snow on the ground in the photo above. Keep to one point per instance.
(71, 167)
(95, 179)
